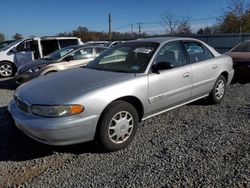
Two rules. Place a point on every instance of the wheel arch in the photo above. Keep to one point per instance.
(134, 101)
(225, 74)
(2, 61)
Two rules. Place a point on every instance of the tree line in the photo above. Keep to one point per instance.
(235, 19)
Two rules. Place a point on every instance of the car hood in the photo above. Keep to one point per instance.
(240, 56)
(59, 87)
(33, 64)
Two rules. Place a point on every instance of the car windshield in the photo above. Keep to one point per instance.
(59, 54)
(243, 47)
(11, 44)
(132, 57)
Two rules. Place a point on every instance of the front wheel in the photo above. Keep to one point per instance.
(218, 92)
(118, 126)
(7, 69)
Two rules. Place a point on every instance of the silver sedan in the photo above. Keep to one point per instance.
(65, 58)
(123, 86)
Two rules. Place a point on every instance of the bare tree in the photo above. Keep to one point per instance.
(17, 36)
(173, 24)
(184, 27)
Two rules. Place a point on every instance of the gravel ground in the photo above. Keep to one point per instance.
(196, 145)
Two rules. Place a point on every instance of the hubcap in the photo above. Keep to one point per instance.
(121, 127)
(5, 70)
(219, 89)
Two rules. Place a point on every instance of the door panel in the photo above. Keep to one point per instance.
(204, 67)
(169, 88)
(203, 77)
(173, 86)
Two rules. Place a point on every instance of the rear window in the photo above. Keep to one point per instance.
(68, 42)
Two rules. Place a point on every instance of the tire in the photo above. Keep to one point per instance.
(219, 90)
(124, 117)
(7, 69)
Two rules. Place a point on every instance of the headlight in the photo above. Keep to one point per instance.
(56, 110)
(33, 70)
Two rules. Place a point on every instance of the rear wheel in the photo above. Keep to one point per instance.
(218, 92)
(118, 126)
(7, 69)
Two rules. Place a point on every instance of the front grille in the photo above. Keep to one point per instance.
(22, 105)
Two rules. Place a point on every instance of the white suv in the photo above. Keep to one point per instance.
(12, 55)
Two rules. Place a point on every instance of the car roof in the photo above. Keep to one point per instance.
(162, 39)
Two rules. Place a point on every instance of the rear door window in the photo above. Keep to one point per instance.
(83, 54)
(197, 52)
(98, 51)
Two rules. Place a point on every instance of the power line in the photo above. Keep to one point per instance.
(159, 23)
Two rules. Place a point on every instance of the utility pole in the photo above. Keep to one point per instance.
(132, 28)
(139, 27)
(110, 31)
(240, 35)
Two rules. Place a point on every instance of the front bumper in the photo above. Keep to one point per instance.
(55, 131)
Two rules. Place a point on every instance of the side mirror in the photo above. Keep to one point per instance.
(69, 58)
(161, 66)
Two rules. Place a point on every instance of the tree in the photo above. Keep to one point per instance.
(173, 24)
(2, 37)
(17, 36)
(65, 34)
(236, 18)
(206, 30)
(83, 33)
(184, 27)
(86, 35)
(200, 31)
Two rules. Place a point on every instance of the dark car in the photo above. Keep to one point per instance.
(241, 58)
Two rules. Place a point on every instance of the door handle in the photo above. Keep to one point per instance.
(215, 66)
(187, 74)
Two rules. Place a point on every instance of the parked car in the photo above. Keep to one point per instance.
(65, 58)
(103, 43)
(5, 43)
(241, 58)
(24, 50)
(106, 99)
